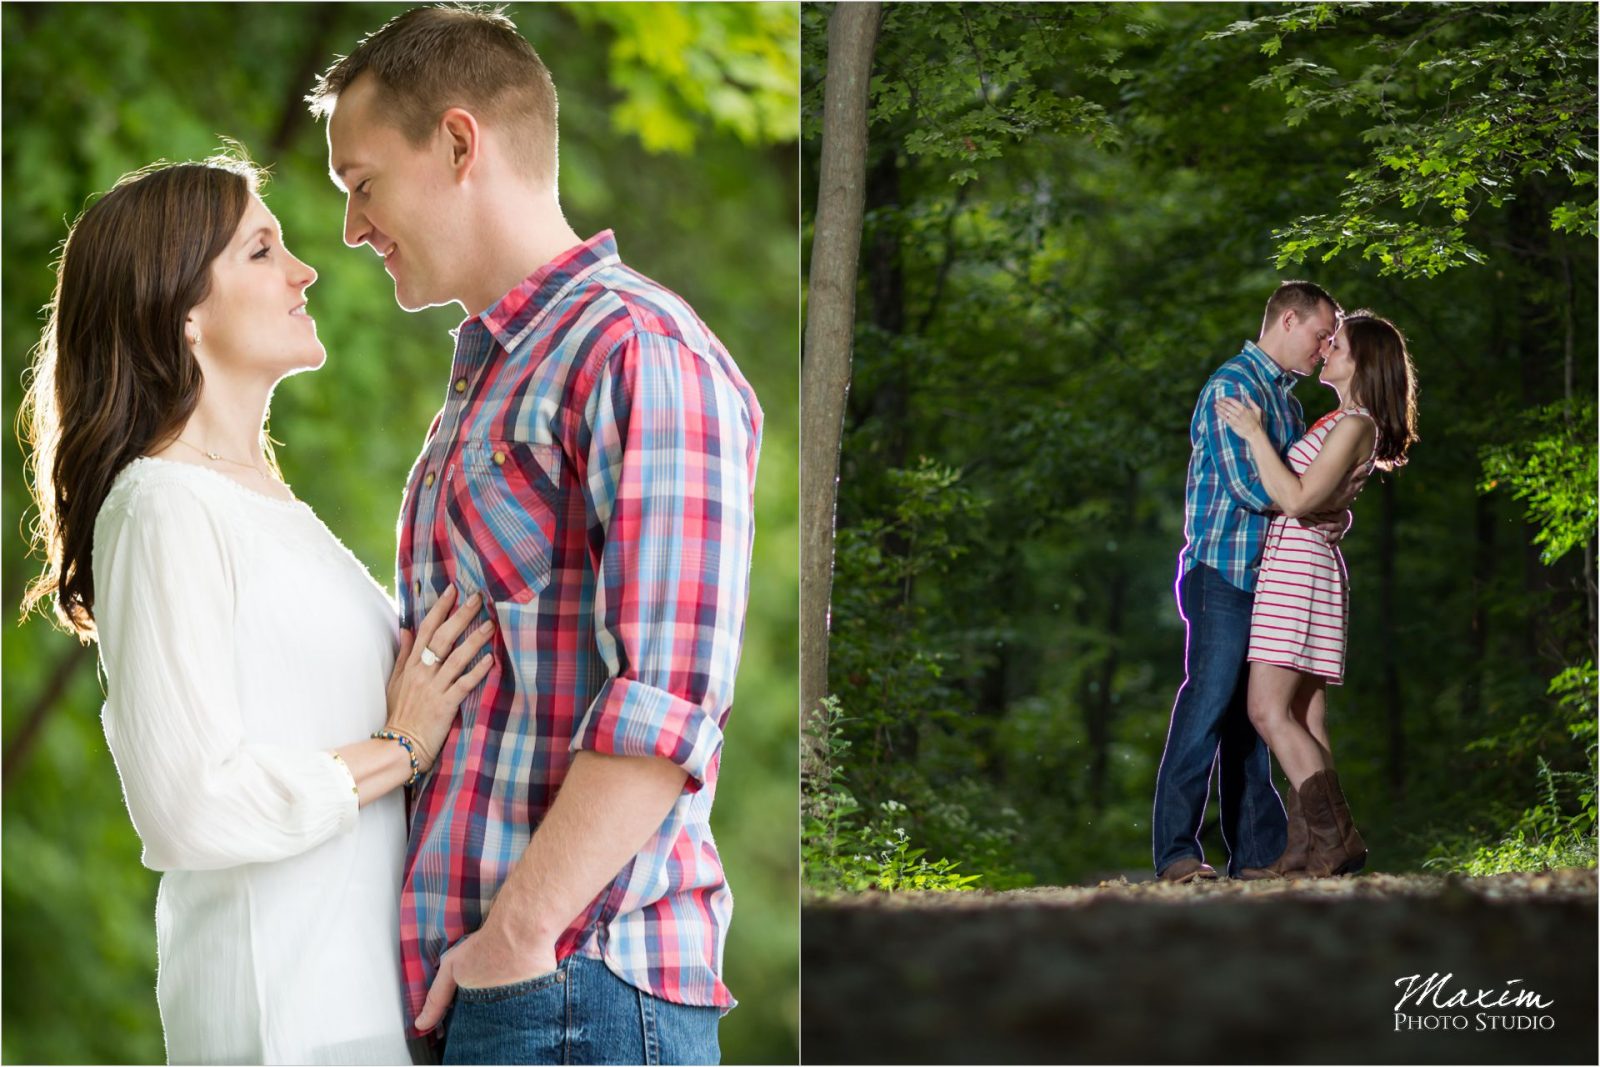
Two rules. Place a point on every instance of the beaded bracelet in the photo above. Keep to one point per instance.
(411, 752)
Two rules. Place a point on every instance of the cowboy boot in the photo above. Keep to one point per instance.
(1329, 850)
(1291, 863)
(1355, 849)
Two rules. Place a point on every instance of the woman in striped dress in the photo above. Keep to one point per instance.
(1301, 614)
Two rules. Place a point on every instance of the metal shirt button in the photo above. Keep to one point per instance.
(499, 458)
(419, 587)
(428, 480)
(561, 976)
(461, 385)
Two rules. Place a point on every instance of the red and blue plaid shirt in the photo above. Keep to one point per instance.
(592, 473)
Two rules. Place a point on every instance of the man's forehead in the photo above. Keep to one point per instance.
(346, 130)
(344, 147)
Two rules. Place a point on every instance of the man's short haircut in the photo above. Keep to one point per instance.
(1303, 297)
(431, 59)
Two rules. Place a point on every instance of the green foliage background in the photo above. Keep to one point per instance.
(1074, 213)
(679, 126)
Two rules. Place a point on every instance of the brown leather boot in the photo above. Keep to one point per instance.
(1355, 848)
(1333, 846)
(1292, 863)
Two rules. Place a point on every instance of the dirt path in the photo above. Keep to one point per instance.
(1237, 972)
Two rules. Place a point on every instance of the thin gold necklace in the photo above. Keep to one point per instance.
(218, 457)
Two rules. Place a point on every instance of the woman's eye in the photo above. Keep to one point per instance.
(262, 253)
(362, 188)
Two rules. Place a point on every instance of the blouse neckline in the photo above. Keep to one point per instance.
(293, 504)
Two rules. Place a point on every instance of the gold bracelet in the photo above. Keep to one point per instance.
(348, 772)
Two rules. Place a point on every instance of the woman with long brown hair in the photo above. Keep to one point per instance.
(1300, 617)
(261, 710)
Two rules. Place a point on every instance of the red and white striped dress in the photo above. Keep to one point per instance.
(1302, 608)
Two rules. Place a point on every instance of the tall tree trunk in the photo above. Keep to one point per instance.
(1484, 559)
(1534, 350)
(1394, 705)
(1099, 710)
(830, 325)
(886, 288)
(1569, 370)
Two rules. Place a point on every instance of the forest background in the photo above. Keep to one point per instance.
(1073, 215)
(679, 126)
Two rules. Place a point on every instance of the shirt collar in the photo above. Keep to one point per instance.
(509, 317)
(1267, 365)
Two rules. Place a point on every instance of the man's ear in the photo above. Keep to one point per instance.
(463, 140)
(1289, 320)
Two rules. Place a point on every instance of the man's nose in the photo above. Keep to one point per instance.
(355, 225)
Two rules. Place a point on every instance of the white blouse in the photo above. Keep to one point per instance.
(242, 642)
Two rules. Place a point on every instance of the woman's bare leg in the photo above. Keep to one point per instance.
(1310, 709)
(1273, 693)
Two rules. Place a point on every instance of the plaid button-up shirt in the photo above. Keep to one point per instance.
(1224, 505)
(591, 473)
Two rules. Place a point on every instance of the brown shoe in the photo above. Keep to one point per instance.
(1333, 845)
(1186, 870)
(1257, 874)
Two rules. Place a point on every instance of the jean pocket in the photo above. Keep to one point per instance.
(503, 507)
(523, 1022)
(527, 986)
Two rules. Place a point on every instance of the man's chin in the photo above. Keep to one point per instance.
(410, 301)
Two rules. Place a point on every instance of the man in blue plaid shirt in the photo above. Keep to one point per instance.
(1225, 521)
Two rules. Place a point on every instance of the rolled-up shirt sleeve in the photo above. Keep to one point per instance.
(1237, 470)
(200, 795)
(667, 486)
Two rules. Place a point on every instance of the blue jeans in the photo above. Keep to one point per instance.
(580, 1013)
(1211, 732)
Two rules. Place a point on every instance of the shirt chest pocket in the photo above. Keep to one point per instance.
(503, 504)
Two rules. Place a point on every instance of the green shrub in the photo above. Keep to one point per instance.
(843, 847)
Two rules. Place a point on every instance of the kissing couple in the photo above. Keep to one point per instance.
(471, 821)
(1261, 582)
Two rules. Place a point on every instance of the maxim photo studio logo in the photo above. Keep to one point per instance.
(1432, 1004)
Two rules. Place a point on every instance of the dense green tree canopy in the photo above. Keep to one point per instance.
(678, 130)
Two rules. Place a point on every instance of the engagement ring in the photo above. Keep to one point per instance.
(429, 659)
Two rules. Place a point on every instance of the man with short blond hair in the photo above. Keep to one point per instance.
(591, 473)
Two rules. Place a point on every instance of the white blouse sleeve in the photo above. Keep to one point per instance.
(200, 796)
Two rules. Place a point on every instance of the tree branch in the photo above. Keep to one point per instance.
(62, 672)
(312, 57)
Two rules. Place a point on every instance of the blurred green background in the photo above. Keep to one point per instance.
(678, 130)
